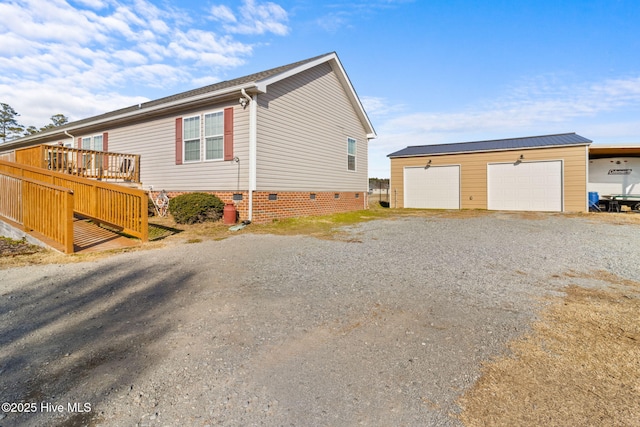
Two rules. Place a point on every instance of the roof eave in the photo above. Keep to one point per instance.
(126, 116)
(257, 86)
(490, 151)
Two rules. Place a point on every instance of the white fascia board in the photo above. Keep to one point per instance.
(145, 110)
(140, 111)
(344, 78)
(262, 85)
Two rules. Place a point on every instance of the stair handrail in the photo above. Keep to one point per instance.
(123, 208)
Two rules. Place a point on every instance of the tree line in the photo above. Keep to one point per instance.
(10, 128)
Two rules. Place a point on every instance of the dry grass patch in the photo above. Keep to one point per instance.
(616, 218)
(46, 256)
(324, 226)
(580, 366)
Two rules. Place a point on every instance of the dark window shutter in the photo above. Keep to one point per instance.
(228, 133)
(179, 141)
(79, 143)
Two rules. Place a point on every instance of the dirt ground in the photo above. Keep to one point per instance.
(579, 364)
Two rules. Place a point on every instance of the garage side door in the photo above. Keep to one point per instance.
(436, 187)
(527, 186)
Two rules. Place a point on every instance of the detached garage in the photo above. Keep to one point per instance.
(540, 173)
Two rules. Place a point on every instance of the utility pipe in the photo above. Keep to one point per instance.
(253, 146)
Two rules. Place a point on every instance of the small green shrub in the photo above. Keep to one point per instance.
(193, 208)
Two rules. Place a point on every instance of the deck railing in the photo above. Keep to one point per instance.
(101, 165)
(115, 205)
(37, 206)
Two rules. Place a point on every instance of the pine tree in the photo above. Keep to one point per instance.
(9, 127)
(56, 120)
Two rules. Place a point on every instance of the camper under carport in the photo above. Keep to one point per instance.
(614, 175)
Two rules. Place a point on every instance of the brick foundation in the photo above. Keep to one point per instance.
(268, 206)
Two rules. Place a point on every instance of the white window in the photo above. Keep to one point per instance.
(204, 142)
(92, 143)
(191, 138)
(213, 135)
(351, 154)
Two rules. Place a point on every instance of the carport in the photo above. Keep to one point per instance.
(614, 175)
(538, 173)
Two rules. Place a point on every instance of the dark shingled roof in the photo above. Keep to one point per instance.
(199, 91)
(213, 89)
(493, 145)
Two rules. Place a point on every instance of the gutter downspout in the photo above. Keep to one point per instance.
(253, 146)
(73, 138)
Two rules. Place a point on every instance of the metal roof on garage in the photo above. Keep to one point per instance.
(529, 142)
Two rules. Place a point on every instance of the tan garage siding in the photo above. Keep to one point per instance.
(473, 173)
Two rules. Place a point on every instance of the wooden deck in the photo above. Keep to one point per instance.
(88, 237)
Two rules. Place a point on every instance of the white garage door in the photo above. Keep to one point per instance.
(526, 186)
(436, 187)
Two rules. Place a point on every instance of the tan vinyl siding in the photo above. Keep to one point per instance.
(473, 171)
(155, 142)
(303, 126)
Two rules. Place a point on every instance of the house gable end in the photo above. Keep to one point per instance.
(333, 60)
(305, 123)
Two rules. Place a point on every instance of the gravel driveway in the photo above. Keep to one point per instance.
(387, 328)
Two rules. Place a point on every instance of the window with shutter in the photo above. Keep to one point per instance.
(213, 135)
(191, 138)
(208, 136)
(228, 133)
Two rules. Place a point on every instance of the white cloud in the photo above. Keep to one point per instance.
(525, 107)
(543, 105)
(72, 58)
(254, 18)
(343, 15)
(222, 13)
(154, 75)
(335, 21)
(93, 4)
(205, 48)
(130, 57)
(375, 106)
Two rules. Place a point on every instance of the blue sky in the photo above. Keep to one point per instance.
(427, 71)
